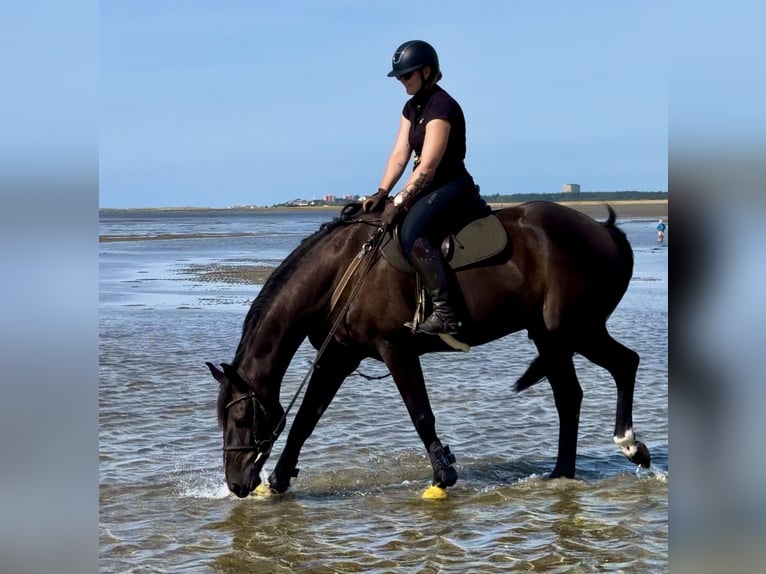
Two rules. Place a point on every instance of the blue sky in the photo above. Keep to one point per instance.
(227, 103)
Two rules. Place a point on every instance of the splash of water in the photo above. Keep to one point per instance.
(658, 473)
(653, 472)
(203, 485)
(263, 475)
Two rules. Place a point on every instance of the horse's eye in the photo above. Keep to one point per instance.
(239, 414)
(242, 422)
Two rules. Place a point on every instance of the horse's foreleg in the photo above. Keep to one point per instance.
(622, 364)
(568, 397)
(330, 372)
(408, 375)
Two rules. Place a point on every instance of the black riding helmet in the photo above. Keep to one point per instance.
(414, 55)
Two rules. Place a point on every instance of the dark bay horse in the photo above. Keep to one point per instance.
(562, 276)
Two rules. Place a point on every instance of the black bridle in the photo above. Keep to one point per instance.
(262, 447)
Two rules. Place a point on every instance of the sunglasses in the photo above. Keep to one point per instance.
(406, 76)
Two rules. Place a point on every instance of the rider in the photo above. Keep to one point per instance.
(440, 193)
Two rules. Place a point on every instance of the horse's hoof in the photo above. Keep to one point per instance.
(435, 492)
(559, 473)
(641, 456)
(277, 486)
(446, 477)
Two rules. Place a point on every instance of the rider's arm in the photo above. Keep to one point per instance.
(399, 157)
(434, 145)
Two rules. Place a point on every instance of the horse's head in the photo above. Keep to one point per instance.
(250, 425)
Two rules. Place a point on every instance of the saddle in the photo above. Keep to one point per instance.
(477, 241)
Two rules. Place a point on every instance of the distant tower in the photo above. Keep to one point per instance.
(570, 188)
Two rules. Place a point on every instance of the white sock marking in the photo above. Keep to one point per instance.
(627, 443)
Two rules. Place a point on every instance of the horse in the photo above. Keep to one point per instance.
(561, 276)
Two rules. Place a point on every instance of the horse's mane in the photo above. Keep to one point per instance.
(272, 285)
(285, 269)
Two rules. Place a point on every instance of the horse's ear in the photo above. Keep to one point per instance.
(233, 376)
(216, 372)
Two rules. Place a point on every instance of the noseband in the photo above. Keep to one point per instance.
(263, 447)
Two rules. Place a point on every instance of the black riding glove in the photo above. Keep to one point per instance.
(390, 213)
(375, 202)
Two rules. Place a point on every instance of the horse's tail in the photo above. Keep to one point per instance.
(626, 251)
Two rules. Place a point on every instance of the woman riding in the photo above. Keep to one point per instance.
(440, 193)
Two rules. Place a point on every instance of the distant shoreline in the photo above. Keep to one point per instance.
(625, 208)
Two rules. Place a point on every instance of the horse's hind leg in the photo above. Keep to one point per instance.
(408, 376)
(622, 364)
(568, 397)
(330, 372)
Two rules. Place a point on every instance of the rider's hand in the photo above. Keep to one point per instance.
(404, 198)
(390, 213)
(375, 202)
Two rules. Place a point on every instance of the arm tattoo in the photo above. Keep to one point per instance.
(422, 179)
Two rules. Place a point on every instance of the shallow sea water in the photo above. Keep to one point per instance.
(356, 506)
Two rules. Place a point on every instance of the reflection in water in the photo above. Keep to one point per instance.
(263, 535)
(531, 525)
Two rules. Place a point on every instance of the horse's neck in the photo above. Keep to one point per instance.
(298, 304)
(269, 347)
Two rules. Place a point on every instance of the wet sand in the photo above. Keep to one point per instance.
(220, 272)
(165, 236)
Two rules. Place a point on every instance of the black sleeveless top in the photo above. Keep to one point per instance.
(432, 104)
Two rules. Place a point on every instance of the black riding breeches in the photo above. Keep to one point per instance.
(440, 211)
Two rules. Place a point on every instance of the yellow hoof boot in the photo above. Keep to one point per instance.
(435, 493)
(262, 490)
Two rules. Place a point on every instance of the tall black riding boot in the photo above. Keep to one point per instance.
(429, 264)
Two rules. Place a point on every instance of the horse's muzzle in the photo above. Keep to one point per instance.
(251, 479)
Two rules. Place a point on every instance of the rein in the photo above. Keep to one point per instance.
(367, 253)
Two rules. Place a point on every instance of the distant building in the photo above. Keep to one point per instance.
(570, 188)
(329, 198)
